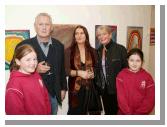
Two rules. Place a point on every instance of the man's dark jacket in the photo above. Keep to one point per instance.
(56, 81)
(116, 60)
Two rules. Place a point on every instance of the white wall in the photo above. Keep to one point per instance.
(22, 17)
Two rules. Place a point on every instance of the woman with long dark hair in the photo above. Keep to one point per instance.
(80, 59)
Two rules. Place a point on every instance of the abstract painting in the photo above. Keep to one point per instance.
(63, 33)
(13, 37)
(134, 37)
(114, 34)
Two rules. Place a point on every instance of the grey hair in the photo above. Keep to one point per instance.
(43, 14)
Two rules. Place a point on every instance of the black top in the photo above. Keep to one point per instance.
(116, 60)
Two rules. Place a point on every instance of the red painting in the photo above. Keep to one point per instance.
(134, 39)
(152, 36)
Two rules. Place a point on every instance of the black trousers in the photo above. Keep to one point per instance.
(110, 103)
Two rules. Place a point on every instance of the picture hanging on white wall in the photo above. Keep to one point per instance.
(63, 33)
(13, 37)
(152, 36)
(134, 37)
(114, 34)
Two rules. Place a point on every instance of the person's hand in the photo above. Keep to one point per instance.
(86, 74)
(63, 94)
(90, 74)
(42, 68)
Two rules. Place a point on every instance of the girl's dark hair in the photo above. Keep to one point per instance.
(136, 51)
(20, 51)
(87, 43)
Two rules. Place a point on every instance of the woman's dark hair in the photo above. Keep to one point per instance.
(87, 43)
(20, 51)
(136, 51)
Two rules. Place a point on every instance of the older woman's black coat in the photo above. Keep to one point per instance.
(116, 60)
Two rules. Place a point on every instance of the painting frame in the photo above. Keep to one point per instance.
(134, 37)
(12, 38)
(152, 36)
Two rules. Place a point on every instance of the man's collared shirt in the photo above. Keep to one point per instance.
(45, 48)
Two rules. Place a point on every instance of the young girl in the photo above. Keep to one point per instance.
(25, 91)
(135, 87)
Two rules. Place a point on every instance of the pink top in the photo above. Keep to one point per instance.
(26, 95)
(135, 92)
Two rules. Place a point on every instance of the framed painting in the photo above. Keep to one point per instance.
(13, 37)
(64, 33)
(114, 34)
(152, 36)
(134, 37)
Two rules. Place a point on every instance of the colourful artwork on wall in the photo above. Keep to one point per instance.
(134, 37)
(114, 34)
(64, 33)
(13, 37)
(152, 36)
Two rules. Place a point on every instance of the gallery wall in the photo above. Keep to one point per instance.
(22, 17)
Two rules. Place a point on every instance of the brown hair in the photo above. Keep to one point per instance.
(135, 51)
(20, 52)
(87, 43)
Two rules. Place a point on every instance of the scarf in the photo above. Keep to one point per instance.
(77, 66)
(77, 82)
